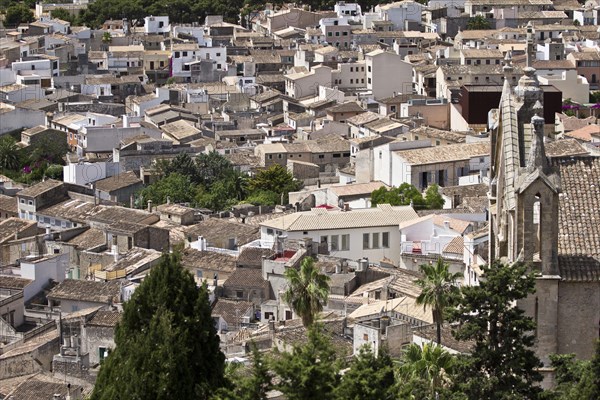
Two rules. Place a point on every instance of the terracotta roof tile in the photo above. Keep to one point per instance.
(579, 202)
(91, 291)
(105, 318)
(247, 278)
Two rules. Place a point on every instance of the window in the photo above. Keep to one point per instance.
(369, 68)
(321, 156)
(239, 294)
(185, 53)
(335, 242)
(269, 231)
(337, 155)
(345, 242)
(385, 240)
(437, 142)
(375, 241)
(102, 353)
(199, 273)
(30, 202)
(351, 81)
(337, 34)
(218, 54)
(487, 62)
(468, 62)
(362, 80)
(329, 33)
(365, 241)
(270, 156)
(369, 81)
(366, 337)
(362, 69)
(22, 201)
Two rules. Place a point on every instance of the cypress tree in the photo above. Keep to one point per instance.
(166, 342)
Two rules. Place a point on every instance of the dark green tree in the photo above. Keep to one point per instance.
(64, 14)
(212, 167)
(18, 14)
(263, 198)
(50, 149)
(575, 379)
(502, 364)
(276, 179)
(310, 371)
(182, 164)
(251, 383)
(403, 195)
(307, 290)
(370, 377)
(478, 22)
(218, 197)
(166, 342)
(433, 198)
(438, 287)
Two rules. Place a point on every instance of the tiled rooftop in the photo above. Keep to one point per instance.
(579, 202)
(440, 154)
(317, 219)
(88, 291)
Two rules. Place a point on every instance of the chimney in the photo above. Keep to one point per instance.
(149, 205)
(202, 243)
(168, 199)
(447, 225)
(115, 252)
(48, 232)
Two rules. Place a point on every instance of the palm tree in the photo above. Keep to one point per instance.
(307, 290)
(431, 363)
(437, 285)
(9, 153)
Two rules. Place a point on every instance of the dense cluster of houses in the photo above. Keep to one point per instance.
(349, 101)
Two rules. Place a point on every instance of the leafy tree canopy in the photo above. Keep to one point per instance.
(398, 196)
(370, 377)
(310, 371)
(478, 22)
(251, 383)
(175, 186)
(276, 179)
(17, 14)
(575, 379)
(433, 198)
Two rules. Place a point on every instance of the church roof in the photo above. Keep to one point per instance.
(579, 202)
(579, 268)
(510, 143)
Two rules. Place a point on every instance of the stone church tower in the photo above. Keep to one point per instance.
(528, 218)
